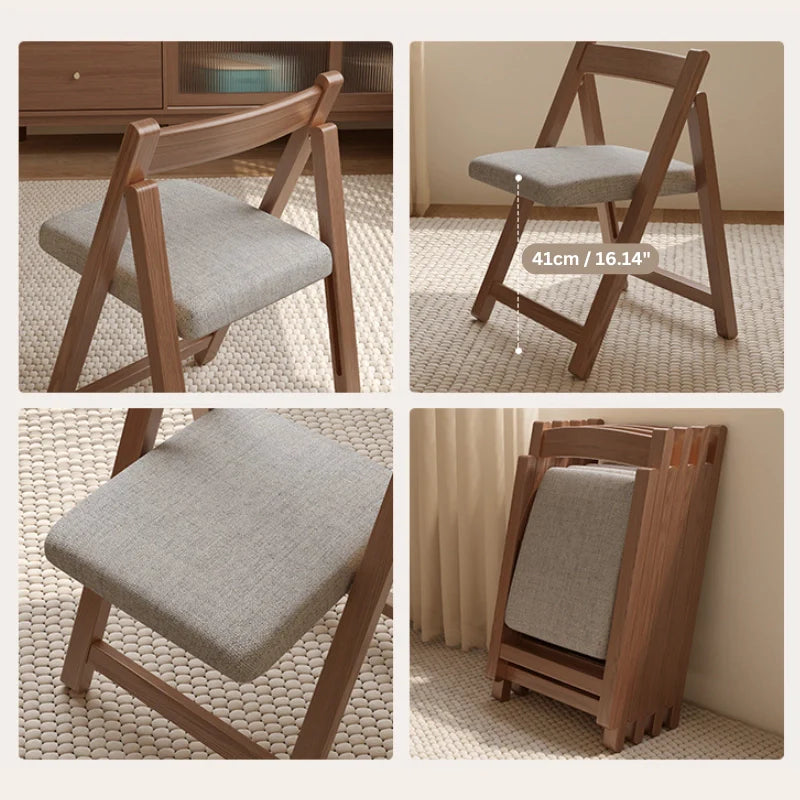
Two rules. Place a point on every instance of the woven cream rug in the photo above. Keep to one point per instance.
(283, 348)
(63, 456)
(453, 715)
(657, 341)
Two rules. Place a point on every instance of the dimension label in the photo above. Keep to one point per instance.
(605, 259)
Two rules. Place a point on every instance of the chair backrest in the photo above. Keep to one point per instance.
(649, 66)
(203, 140)
(682, 74)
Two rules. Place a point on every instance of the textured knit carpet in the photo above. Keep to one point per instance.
(65, 455)
(657, 341)
(283, 348)
(453, 715)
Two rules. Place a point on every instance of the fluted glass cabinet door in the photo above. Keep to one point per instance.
(221, 75)
(240, 73)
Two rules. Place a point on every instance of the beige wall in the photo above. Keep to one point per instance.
(482, 97)
(736, 665)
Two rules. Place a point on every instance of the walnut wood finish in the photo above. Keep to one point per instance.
(147, 149)
(139, 370)
(366, 601)
(138, 437)
(649, 66)
(333, 232)
(683, 76)
(490, 290)
(289, 168)
(206, 140)
(135, 155)
(155, 288)
(62, 76)
(638, 688)
(298, 148)
(594, 134)
(705, 170)
(173, 705)
(207, 354)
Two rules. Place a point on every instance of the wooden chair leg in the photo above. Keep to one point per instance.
(614, 739)
(206, 355)
(501, 690)
(501, 258)
(138, 437)
(656, 723)
(638, 731)
(90, 622)
(609, 227)
(333, 232)
(673, 718)
(155, 288)
(719, 273)
(77, 339)
(365, 601)
(596, 325)
(138, 147)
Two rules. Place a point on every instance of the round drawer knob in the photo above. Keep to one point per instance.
(76, 76)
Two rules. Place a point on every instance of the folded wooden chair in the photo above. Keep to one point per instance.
(205, 259)
(602, 570)
(600, 174)
(231, 539)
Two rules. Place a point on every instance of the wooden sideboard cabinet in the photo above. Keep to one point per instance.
(104, 83)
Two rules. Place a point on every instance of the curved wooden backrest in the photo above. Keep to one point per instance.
(205, 140)
(649, 66)
(627, 446)
(637, 445)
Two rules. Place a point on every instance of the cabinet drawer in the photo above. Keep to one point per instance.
(56, 76)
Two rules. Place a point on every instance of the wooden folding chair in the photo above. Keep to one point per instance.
(637, 685)
(220, 260)
(600, 174)
(231, 539)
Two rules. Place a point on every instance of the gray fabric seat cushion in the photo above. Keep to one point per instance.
(575, 176)
(565, 579)
(227, 259)
(231, 539)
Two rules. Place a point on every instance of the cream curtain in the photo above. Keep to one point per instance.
(462, 474)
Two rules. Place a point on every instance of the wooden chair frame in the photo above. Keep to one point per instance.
(639, 687)
(366, 601)
(147, 149)
(683, 76)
